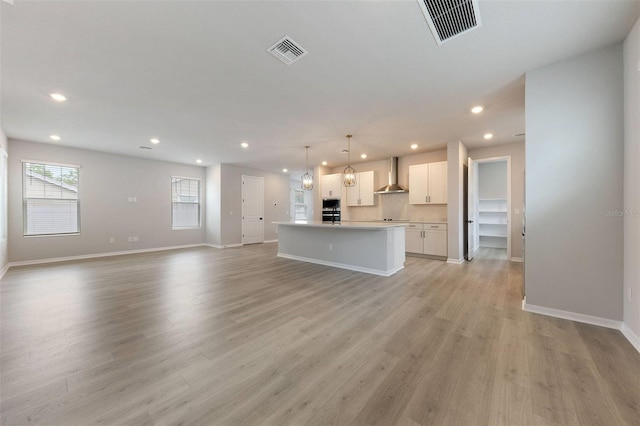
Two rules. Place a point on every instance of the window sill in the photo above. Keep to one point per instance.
(51, 235)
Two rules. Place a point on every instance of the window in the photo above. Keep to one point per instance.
(299, 205)
(3, 195)
(185, 203)
(50, 199)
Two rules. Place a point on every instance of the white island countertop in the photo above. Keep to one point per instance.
(374, 248)
(343, 225)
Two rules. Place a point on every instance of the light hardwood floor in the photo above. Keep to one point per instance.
(241, 337)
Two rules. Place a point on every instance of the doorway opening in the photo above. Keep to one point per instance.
(489, 210)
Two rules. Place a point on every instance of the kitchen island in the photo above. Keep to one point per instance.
(374, 248)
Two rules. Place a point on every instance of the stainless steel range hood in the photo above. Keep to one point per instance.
(393, 187)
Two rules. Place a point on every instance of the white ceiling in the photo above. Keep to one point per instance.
(197, 75)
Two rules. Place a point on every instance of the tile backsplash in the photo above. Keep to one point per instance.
(396, 207)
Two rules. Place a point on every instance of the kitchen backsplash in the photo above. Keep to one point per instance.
(396, 207)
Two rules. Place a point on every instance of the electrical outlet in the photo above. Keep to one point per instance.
(629, 294)
(112, 240)
(330, 247)
(135, 239)
(130, 239)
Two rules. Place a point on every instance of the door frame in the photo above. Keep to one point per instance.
(477, 162)
(471, 173)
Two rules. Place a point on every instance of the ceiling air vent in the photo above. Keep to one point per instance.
(287, 50)
(448, 19)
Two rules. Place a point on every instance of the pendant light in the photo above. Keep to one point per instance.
(307, 178)
(349, 173)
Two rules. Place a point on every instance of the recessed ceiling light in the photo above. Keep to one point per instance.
(324, 163)
(477, 109)
(488, 135)
(244, 145)
(55, 138)
(58, 97)
(198, 161)
(285, 170)
(363, 155)
(414, 146)
(154, 141)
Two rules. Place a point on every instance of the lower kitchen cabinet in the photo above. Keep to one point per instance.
(413, 240)
(426, 238)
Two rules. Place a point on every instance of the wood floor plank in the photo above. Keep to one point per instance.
(242, 337)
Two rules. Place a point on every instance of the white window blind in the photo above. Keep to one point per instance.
(3, 195)
(50, 199)
(185, 203)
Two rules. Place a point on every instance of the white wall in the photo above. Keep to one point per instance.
(492, 180)
(213, 204)
(106, 182)
(574, 163)
(4, 257)
(457, 158)
(516, 152)
(276, 202)
(632, 180)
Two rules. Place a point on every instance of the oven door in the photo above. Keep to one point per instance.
(330, 216)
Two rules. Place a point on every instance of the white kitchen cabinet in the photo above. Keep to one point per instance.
(426, 238)
(331, 186)
(413, 238)
(428, 183)
(435, 239)
(361, 194)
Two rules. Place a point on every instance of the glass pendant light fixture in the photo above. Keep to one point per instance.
(349, 173)
(307, 178)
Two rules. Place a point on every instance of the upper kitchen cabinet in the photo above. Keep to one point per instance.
(331, 186)
(361, 194)
(428, 183)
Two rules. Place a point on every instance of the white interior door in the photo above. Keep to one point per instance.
(252, 210)
(471, 209)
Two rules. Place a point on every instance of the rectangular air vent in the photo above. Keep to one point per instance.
(448, 19)
(287, 50)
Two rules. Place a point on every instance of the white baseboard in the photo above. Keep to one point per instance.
(342, 265)
(587, 319)
(455, 261)
(573, 316)
(516, 259)
(222, 246)
(631, 336)
(95, 255)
